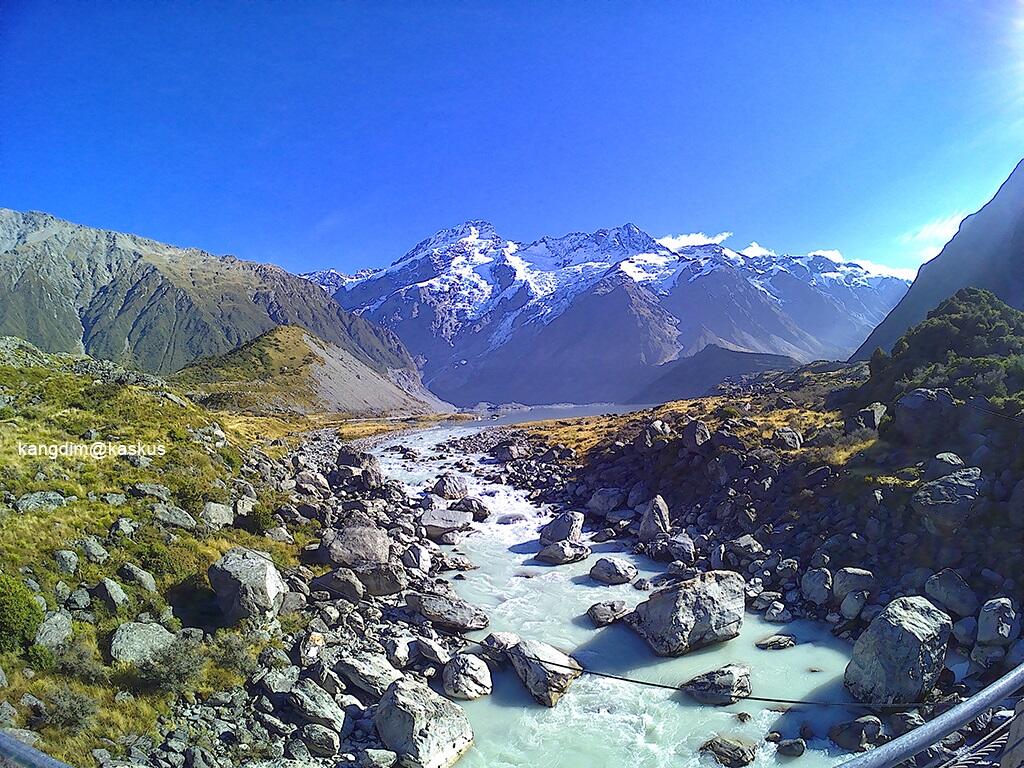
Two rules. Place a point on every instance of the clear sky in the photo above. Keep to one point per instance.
(340, 134)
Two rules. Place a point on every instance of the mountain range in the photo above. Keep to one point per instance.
(592, 317)
(70, 288)
(987, 252)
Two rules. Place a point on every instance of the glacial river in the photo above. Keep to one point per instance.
(602, 723)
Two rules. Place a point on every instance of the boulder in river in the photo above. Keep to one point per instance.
(607, 612)
(654, 520)
(440, 522)
(719, 687)
(613, 570)
(248, 585)
(898, 658)
(567, 526)
(731, 751)
(466, 676)
(703, 610)
(545, 671)
(451, 487)
(422, 727)
(562, 552)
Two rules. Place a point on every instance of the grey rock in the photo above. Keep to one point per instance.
(999, 622)
(613, 570)
(943, 464)
(54, 631)
(448, 612)
(695, 613)
(791, 747)
(857, 735)
(136, 642)
(563, 552)
(607, 612)
(654, 520)
(948, 502)
(787, 439)
(133, 574)
(816, 585)
(847, 580)
(39, 501)
(695, 434)
(948, 590)
(441, 522)
(730, 751)
(173, 517)
(466, 677)
(449, 486)
(381, 579)
(722, 686)
(605, 500)
(94, 551)
(367, 671)
(111, 594)
(216, 515)
(567, 526)
(313, 704)
(320, 740)
(546, 672)
(354, 545)
(67, 561)
(776, 642)
(898, 658)
(424, 729)
(247, 584)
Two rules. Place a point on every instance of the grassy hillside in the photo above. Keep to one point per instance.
(52, 400)
(290, 370)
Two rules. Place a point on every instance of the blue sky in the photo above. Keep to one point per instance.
(340, 134)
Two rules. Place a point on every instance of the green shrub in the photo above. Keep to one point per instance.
(69, 710)
(173, 669)
(79, 660)
(233, 652)
(260, 519)
(40, 657)
(20, 615)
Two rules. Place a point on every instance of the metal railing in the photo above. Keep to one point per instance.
(916, 741)
(19, 753)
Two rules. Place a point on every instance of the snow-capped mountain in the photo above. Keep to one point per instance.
(590, 316)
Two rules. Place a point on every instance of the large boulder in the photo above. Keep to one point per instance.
(948, 590)
(607, 612)
(369, 672)
(923, 415)
(136, 642)
(440, 522)
(704, 610)
(816, 585)
(695, 433)
(545, 671)
(999, 622)
(847, 580)
(731, 751)
(654, 520)
(563, 552)
(898, 658)
(613, 570)
(568, 526)
(451, 487)
(248, 584)
(447, 611)
(946, 503)
(54, 631)
(866, 418)
(315, 705)
(720, 686)
(466, 676)
(605, 500)
(354, 545)
(424, 728)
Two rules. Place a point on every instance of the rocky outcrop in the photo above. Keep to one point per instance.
(898, 658)
(704, 610)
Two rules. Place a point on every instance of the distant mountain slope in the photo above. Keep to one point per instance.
(289, 369)
(987, 252)
(67, 287)
(698, 375)
(590, 316)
